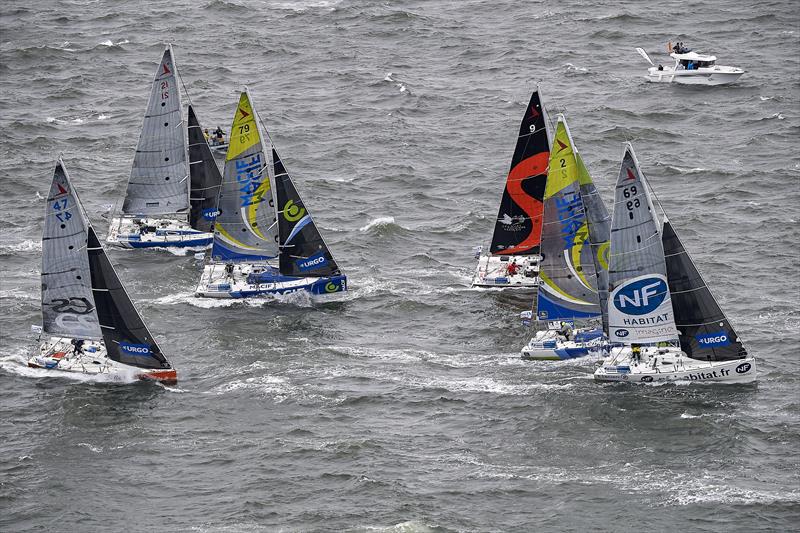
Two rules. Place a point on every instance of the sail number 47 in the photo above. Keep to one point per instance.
(60, 205)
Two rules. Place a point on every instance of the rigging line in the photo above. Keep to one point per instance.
(180, 77)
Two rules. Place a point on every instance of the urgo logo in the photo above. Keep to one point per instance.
(211, 213)
(641, 296)
(743, 368)
(317, 260)
(621, 333)
(713, 340)
(139, 350)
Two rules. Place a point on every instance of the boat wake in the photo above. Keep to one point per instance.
(18, 364)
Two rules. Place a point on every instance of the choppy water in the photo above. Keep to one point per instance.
(405, 407)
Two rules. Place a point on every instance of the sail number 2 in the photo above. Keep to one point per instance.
(164, 90)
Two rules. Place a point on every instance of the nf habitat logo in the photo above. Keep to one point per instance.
(743, 368)
(622, 333)
(642, 296)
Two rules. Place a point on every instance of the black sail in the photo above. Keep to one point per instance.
(205, 178)
(126, 337)
(705, 332)
(518, 229)
(303, 252)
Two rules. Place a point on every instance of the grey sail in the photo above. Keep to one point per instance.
(599, 223)
(245, 229)
(639, 306)
(68, 308)
(159, 181)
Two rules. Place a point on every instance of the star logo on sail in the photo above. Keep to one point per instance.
(631, 175)
(244, 113)
(61, 190)
(535, 113)
(166, 69)
(561, 145)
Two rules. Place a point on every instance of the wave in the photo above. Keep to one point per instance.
(380, 222)
(28, 245)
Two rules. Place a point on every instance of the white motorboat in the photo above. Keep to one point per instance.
(663, 322)
(691, 68)
(92, 326)
(513, 257)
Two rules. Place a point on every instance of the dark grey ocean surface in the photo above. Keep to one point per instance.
(404, 408)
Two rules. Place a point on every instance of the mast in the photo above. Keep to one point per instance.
(68, 308)
(245, 229)
(519, 219)
(159, 180)
(705, 332)
(639, 306)
(568, 280)
(205, 177)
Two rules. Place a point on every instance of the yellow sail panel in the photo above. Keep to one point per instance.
(244, 131)
(562, 171)
(583, 173)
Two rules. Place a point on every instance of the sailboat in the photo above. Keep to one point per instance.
(574, 248)
(513, 257)
(265, 241)
(663, 319)
(90, 323)
(158, 207)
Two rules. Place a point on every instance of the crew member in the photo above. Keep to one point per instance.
(637, 353)
(565, 331)
(511, 268)
(206, 135)
(77, 346)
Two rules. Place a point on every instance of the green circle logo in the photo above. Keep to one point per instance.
(292, 212)
(331, 287)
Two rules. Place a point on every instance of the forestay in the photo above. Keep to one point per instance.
(68, 308)
(245, 228)
(705, 332)
(159, 184)
(518, 227)
(126, 337)
(303, 252)
(205, 177)
(639, 307)
(568, 287)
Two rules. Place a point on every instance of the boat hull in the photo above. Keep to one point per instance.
(254, 280)
(671, 365)
(703, 76)
(127, 232)
(547, 345)
(58, 356)
(493, 272)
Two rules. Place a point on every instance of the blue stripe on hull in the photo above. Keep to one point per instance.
(168, 244)
(320, 286)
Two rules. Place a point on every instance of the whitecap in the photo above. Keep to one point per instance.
(103, 116)
(377, 222)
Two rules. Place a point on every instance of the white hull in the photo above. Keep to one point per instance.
(219, 282)
(492, 271)
(549, 345)
(717, 75)
(58, 355)
(136, 232)
(658, 365)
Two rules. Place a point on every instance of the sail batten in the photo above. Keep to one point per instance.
(157, 184)
(519, 220)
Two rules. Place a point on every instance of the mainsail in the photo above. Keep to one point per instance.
(68, 308)
(639, 306)
(705, 332)
(159, 182)
(519, 220)
(303, 251)
(599, 223)
(126, 337)
(245, 228)
(205, 177)
(568, 286)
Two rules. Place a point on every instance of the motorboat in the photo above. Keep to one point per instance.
(691, 68)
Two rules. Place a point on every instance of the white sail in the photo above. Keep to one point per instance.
(68, 307)
(159, 181)
(639, 305)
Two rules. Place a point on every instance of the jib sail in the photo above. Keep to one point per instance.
(68, 308)
(159, 183)
(126, 337)
(205, 177)
(519, 219)
(705, 332)
(303, 251)
(245, 228)
(639, 305)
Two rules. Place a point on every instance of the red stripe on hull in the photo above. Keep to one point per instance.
(167, 377)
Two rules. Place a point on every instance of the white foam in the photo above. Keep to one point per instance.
(27, 245)
(103, 116)
(377, 222)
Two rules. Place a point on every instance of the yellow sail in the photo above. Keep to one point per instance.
(244, 131)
